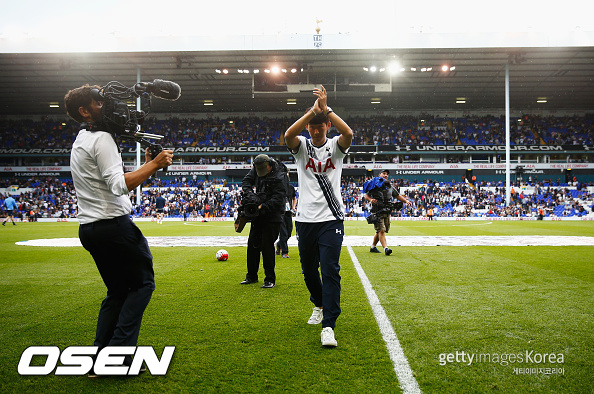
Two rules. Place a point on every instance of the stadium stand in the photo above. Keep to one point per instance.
(52, 197)
(56, 198)
(376, 130)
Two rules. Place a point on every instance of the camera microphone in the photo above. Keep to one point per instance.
(163, 89)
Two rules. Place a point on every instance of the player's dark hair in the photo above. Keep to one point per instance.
(319, 118)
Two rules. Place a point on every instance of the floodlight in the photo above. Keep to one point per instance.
(394, 67)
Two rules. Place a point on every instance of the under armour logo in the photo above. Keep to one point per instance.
(338, 231)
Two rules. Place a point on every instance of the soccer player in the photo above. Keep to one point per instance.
(160, 206)
(11, 206)
(320, 212)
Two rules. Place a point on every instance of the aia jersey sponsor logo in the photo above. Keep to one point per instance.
(318, 167)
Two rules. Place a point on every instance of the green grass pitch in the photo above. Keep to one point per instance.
(494, 300)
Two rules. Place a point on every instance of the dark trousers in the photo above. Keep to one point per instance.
(319, 248)
(125, 263)
(261, 240)
(285, 232)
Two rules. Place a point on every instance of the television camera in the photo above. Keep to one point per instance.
(118, 118)
(248, 209)
(384, 208)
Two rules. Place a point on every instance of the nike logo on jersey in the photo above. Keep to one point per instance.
(317, 167)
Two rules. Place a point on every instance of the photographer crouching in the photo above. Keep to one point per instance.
(264, 208)
(380, 193)
(119, 249)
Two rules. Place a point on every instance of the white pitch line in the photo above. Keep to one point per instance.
(408, 383)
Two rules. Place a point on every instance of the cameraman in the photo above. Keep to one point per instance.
(267, 177)
(381, 200)
(120, 251)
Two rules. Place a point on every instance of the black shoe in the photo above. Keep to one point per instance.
(92, 374)
(374, 250)
(249, 281)
(268, 285)
(388, 251)
(4, 223)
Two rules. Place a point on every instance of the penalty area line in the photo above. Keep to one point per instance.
(408, 383)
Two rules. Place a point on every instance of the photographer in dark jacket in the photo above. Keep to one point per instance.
(267, 178)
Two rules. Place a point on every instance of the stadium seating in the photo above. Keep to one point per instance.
(376, 130)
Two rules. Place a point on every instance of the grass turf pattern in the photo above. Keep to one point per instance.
(233, 338)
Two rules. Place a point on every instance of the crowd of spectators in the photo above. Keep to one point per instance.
(37, 198)
(488, 200)
(204, 199)
(373, 130)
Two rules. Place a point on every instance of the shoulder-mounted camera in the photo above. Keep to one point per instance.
(119, 118)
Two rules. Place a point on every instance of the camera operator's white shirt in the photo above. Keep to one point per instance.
(98, 176)
(319, 170)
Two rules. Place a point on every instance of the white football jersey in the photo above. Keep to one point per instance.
(319, 170)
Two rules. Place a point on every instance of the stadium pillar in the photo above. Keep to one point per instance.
(507, 134)
(139, 188)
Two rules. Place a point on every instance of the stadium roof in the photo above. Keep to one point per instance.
(553, 68)
(53, 47)
(563, 76)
